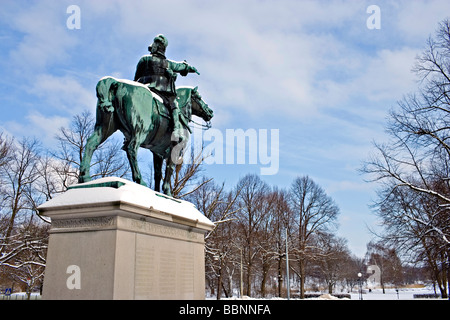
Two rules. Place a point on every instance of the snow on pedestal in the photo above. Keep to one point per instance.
(129, 192)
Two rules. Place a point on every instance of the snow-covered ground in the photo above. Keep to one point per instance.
(392, 294)
(374, 294)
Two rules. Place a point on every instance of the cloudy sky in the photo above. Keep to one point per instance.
(312, 70)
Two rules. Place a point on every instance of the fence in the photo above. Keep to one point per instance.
(20, 296)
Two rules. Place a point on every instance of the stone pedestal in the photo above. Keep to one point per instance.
(114, 239)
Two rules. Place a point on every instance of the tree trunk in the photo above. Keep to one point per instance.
(249, 280)
(263, 283)
(302, 278)
(249, 270)
(448, 275)
(280, 277)
(219, 280)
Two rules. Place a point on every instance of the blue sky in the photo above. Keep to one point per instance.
(311, 69)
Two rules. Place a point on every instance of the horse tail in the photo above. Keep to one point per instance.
(105, 90)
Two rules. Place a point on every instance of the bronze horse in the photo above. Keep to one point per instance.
(140, 115)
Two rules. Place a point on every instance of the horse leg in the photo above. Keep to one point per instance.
(157, 168)
(132, 150)
(97, 137)
(169, 170)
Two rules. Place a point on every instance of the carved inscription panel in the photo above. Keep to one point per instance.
(167, 272)
(186, 272)
(145, 270)
(164, 268)
(82, 223)
(160, 230)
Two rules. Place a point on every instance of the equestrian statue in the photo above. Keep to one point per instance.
(150, 112)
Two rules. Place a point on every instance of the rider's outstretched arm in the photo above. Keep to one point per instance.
(182, 68)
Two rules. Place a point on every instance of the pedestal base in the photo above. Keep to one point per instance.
(118, 249)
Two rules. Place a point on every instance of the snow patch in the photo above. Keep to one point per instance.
(137, 84)
(130, 192)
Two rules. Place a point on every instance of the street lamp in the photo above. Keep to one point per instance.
(360, 285)
(288, 286)
(242, 277)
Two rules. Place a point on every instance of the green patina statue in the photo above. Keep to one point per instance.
(150, 112)
(159, 74)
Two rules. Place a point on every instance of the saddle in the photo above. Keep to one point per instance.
(164, 112)
(162, 109)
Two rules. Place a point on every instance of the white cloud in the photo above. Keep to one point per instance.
(63, 94)
(258, 57)
(417, 20)
(36, 125)
(253, 56)
(46, 127)
(366, 94)
(45, 39)
(388, 75)
(347, 185)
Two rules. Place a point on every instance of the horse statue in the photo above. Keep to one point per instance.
(143, 119)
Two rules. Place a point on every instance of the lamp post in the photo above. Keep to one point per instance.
(287, 268)
(360, 285)
(242, 277)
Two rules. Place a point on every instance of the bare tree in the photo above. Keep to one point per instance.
(418, 156)
(187, 178)
(19, 175)
(271, 239)
(220, 207)
(314, 212)
(5, 157)
(253, 204)
(23, 241)
(387, 261)
(24, 262)
(352, 266)
(332, 259)
(109, 159)
(403, 213)
(413, 168)
(5, 149)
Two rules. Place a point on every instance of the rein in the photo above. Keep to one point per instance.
(202, 126)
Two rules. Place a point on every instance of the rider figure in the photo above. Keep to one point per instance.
(159, 74)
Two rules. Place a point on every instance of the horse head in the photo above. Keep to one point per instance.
(199, 107)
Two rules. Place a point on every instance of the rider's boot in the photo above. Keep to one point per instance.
(178, 130)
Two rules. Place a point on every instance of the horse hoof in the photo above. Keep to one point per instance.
(140, 182)
(83, 179)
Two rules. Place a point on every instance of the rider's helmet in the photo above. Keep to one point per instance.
(159, 44)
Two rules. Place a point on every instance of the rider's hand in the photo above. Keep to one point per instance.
(193, 69)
